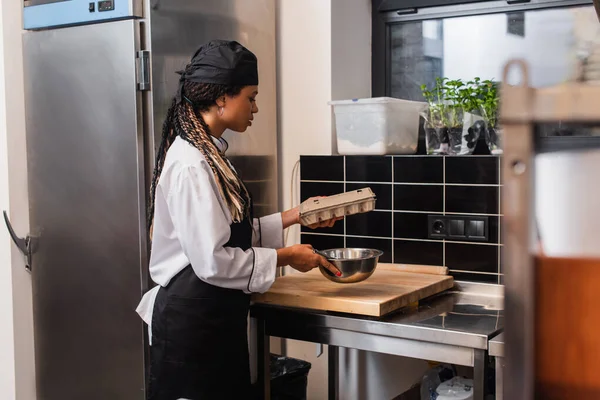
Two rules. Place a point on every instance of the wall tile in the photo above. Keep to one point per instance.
(427, 169)
(472, 199)
(472, 257)
(376, 223)
(419, 191)
(337, 229)
(493, 222)
(370, 243)
(411, 226)
(481, 278)
(501, 250)
(323, 242)
(314, 189)
(369, 168)
(415, 252)
(472, 170)
(322, 168)
(382, 191)
(501, 237)
(419, 198)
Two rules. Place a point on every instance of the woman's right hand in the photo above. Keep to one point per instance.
(302, 257)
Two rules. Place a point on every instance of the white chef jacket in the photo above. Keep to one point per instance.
(192, 226)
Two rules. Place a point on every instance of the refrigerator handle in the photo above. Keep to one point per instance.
(143, 79)
(25, 245)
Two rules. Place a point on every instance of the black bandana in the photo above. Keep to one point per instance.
(220, 62)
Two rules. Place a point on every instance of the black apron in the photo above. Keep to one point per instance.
(199, 336)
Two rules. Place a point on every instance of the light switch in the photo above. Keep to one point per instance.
(457, 227)
(477, 229)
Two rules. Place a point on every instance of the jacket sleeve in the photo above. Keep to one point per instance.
(202, 224)
(268, 231)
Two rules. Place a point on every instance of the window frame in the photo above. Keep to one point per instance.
(382, 23)
(409, 11)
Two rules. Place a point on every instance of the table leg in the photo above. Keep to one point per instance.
(333, 371)
(499, 378)
(479, 375)
(263, 369)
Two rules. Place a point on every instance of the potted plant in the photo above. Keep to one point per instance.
(489, 110)
(459, 113)
(436, 136)
(474, 125)
(454, 92)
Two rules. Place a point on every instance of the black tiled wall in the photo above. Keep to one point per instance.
(408, 189)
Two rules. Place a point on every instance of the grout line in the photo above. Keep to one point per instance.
(344, 181)
(404, 183)
(478, 243)
(414, 212)
(348, 236)
(473, 272)
(444, 252)
(419, 240)
(441, 212)
(344, 160)
(369, 237)
(444, 206)
(393, 206)
(474, 184)
(499, 219)
(324, 234)
(474, 214)
(403, 239)
(444, 184)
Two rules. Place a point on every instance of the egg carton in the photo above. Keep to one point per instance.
(358, 201)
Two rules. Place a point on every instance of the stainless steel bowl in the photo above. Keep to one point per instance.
(356, 265)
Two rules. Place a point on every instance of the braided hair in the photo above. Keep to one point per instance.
(184, 119)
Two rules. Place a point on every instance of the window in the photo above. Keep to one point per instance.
(516, 23)
(413, 46)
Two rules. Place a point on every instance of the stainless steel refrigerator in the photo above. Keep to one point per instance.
(99, 76)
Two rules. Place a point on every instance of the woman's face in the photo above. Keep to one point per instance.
(238, 111)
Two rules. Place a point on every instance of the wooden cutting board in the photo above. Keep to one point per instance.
(385, 291)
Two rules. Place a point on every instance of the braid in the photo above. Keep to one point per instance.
(168, 136)
(184, 120)
(192, 128)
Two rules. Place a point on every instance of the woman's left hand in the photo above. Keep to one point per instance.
(325, 224)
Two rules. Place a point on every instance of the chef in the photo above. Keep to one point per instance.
(208, 252)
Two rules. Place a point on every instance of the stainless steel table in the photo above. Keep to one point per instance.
(496, 350)
(453, 327)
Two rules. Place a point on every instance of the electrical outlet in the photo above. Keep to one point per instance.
(437, 227)
(461, 228)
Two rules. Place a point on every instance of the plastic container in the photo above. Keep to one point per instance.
(433, 378)
(289, 378)
(381, 125)
(457, 388)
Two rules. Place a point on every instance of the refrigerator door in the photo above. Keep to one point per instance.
(43, 14)
(87, 199)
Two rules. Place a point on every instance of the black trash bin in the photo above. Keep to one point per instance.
(289, 378)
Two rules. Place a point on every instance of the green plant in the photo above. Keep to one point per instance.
(453, 90)
(435, 99)
(445, 102)
(471, 96)
(489, 102)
